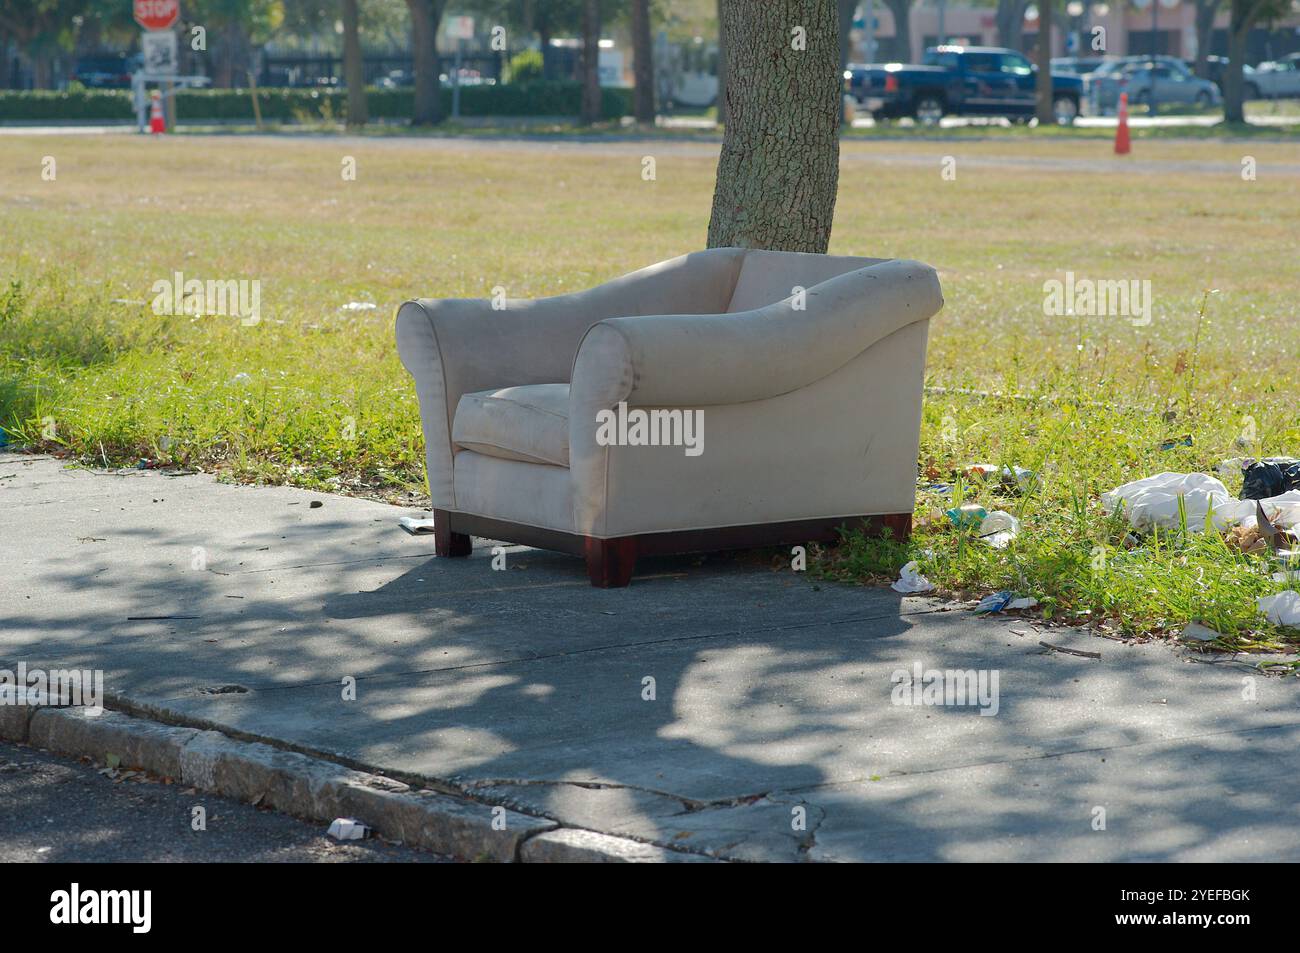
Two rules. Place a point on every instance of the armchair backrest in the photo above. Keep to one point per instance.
(767, 277)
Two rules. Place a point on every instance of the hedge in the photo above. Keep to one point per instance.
(541, 98)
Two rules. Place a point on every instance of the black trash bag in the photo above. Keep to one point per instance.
(1269, 477)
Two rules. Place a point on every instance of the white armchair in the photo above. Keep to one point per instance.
(801, 375)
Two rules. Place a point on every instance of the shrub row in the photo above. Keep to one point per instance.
(540, 98)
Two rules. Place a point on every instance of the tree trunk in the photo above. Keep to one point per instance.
(902, 11)
(354, 73)
(846, 10)
(425, 14)
(1234, 99)
(591, 61)
(643, 63)
(779, 167)
(1046, 114)
(1205, 13)
(722, 70)
(1010, 20)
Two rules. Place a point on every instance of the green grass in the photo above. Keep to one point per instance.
(314, 395)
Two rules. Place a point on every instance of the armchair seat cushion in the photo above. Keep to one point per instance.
(529, 423)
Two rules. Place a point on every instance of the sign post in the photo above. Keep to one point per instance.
(459, 29)
(160, 56)
(156, 14)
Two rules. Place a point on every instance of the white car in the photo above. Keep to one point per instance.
(1274, 80)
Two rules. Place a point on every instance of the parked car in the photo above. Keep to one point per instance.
(1273, 80)
(960, 81)
(1147, 80)
(1076, 65)
(106, 72)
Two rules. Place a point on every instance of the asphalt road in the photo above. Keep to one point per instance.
(54, 809)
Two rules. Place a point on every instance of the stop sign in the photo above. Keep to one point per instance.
(156, 14)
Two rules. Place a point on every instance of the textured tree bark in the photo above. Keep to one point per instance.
(779, 168)
(425, 14)
(1046, 114)
(643, 56)
(354, 73)
(591, 61)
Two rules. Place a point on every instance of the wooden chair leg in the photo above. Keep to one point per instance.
(445, 542)
(610, 561)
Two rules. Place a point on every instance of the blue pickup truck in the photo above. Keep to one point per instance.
(960, 81)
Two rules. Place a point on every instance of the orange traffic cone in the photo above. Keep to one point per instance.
(1122, 146)
(156, 122)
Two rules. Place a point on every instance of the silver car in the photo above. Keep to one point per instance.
(1273, 80)
(1147, 80)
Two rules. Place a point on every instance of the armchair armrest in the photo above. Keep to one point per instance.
(452, 347)
(704, 359)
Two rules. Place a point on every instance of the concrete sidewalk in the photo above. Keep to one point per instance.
(527, 688)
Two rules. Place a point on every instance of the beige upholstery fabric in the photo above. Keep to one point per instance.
(810, 403)
(529, 423)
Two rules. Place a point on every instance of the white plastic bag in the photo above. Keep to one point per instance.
(910, 580)
(998, 529)
(1281, 609)
(1153, 501)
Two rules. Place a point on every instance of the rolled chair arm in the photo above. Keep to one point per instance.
(703, 359)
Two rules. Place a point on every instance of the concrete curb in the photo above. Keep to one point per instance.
(320, 790)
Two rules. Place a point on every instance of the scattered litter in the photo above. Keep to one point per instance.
(1281, 609)
(1001, 601)
(998, 529)
(157, 618)
(1061, 648)
(1153, 501)
(1247, 539)
(315, 504)
(1184, 441)
(1273, 530)
(943, 489)
(1270, 477)
(345, 828)
(1017, 477)
(358, 306)
(910, 580)
(1199, 633)
(969, 514)
(416, 527)
(240, 378)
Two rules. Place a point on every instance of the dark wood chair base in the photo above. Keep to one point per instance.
(610, 562)
(446, 542)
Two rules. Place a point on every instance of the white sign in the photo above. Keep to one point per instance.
(460, 28)
(159, 51)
